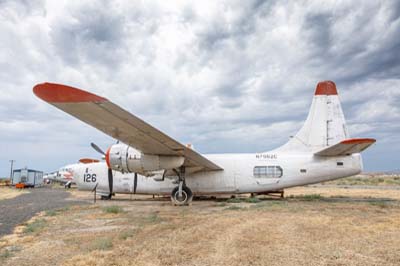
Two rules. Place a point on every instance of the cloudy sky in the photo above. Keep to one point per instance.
(227, 76)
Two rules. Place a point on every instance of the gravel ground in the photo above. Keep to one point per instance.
(20, 209)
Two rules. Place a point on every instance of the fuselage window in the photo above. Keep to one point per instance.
(339, 163)
(267, 171)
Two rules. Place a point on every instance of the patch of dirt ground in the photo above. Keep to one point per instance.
(311, 226)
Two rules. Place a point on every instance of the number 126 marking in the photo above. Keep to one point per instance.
(89, 178)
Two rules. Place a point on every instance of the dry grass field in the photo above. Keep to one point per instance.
(9, 193)
(368, 180)
(311, 226)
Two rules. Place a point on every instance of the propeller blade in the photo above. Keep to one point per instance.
(94, 146)
(110, 181)
(135, 184)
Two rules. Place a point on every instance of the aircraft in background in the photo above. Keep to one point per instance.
(153, 163)
(65, 175)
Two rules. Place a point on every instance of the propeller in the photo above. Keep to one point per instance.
(110, 181)
(97, 148)
(135, 184)
(110, 173)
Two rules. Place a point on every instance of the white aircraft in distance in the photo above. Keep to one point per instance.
(320, 151)
(65, 175)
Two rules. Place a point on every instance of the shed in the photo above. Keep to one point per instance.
(28, 177)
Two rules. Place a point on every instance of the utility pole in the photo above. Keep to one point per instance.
(11, 172)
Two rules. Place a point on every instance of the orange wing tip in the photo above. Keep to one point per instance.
(326, 88)
(358, 141)
(57, 93)
(88, 160)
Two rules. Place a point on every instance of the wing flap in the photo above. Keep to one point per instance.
(118, 123)
(347, 147)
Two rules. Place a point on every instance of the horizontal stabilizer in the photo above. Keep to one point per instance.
(346, 147)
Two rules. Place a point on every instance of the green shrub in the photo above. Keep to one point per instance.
(381, 204)
(253, 200)
(153, 218)
(35, 226)
(66, 208)
(312, 197)
(234, 200)
(233, 208)
(124, 235)
(51, 213)
(6, 254)
(102, 243)
(113, 209)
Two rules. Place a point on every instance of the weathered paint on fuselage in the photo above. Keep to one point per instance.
(237, 176)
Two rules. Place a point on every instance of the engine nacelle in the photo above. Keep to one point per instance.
(123, 158)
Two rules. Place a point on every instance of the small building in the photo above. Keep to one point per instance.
(27, 177)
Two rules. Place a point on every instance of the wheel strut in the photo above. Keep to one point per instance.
(181, 180)
(181, 194)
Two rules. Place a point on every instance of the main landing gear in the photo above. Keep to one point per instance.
(68, 184)
(106, 197)
(181, 195)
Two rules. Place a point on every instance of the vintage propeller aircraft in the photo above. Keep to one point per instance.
(65, 175)
(320, 151)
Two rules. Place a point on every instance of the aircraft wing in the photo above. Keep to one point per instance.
(118, 123)
(346, 147)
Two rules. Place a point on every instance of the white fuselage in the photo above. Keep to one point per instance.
(238, 175)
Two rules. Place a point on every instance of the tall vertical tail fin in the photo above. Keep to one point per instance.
(325, 124)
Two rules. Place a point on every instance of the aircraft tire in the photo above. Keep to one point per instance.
(106, 197)
(187, 196)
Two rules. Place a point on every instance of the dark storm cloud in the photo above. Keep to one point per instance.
(90, 33)
(361, 54)
(225, 34)
(225, 29)
(320, 36)
(393, 10)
